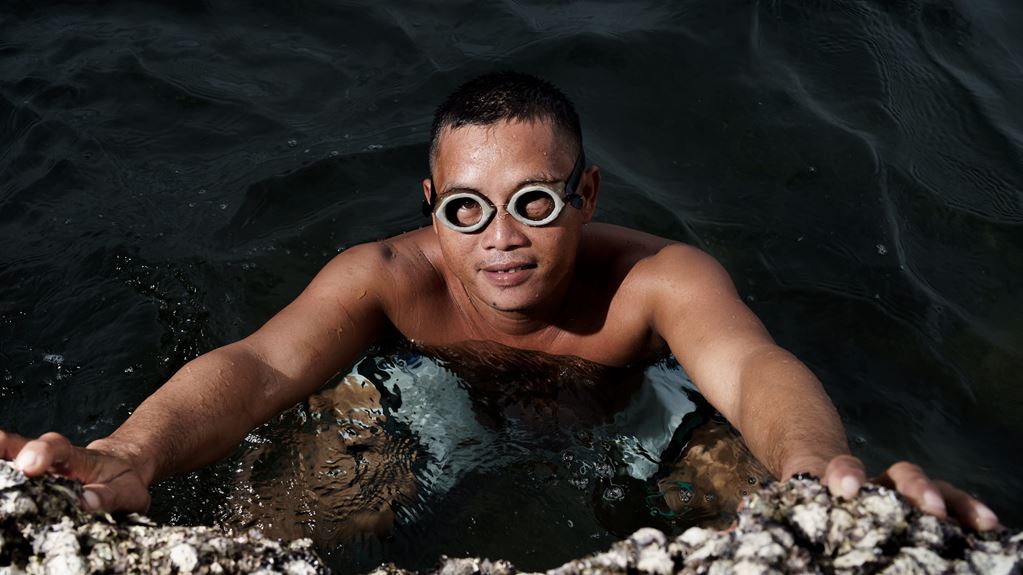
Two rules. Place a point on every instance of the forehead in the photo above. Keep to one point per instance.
(512, 150)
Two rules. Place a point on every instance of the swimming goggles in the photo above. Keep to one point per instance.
(534, 205)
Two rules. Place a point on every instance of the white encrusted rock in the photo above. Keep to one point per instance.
(812, 520)
(17, 504)
(696, 536)
(655, 559)
(917, 560)
(184, 557)
(995, 563)
(11, 477)
(856, 560)
(299, 567)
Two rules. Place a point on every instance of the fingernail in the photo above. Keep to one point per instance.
(986, 519)
(850, 487)
(933, 503)
(91, 500)
(25, 460)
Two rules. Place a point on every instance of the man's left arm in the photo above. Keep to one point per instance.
(773, 399)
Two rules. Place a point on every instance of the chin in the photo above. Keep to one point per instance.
(506, 305)
(510, 302)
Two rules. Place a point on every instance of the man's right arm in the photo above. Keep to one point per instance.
(212, 402)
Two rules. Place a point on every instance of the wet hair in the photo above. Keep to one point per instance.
(506, 95)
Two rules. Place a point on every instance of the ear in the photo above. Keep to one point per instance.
(427, 186)
(589, 188)
(427, 196)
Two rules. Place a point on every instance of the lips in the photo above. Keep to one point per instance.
(508, 274)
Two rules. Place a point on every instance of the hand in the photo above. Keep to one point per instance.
(112, 482)
(845, 474)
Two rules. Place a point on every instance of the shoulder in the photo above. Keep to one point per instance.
(650, 261)
(383, 268)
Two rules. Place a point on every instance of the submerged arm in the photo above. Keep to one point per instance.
(212, 402)
(778, 405)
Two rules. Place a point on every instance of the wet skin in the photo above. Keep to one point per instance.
(603, 293)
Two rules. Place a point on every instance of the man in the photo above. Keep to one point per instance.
(512, 258)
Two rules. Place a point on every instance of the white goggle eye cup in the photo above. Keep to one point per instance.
(464, 212)
(545, 202)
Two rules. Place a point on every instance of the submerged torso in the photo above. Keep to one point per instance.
(427, 437)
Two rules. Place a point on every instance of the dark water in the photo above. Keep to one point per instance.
(171, 174)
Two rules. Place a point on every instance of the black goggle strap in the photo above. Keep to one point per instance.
(571, 198)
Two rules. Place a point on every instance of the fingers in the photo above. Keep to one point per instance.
(844, 476)
(36, 456)
(913, 484)
(966, 509)
(111, 483)
(100, 497)
(10, 445)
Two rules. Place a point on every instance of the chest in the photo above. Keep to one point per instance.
(610, 335)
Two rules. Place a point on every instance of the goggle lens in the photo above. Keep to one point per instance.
(533, 204)
(463, 211)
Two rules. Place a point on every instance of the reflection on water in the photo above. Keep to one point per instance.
(471, 439)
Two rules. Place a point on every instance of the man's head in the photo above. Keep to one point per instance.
(506, 96)
(504, 151)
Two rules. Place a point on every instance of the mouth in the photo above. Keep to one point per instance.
(509, 274)
(508, 269)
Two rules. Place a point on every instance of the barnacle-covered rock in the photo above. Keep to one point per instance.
(43, 530)
(798, 527)
(787, 527)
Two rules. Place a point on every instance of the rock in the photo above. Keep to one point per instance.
(43, 530)
(786, 527)
(798, 527)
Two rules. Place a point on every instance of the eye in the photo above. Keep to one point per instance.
(463, 211)
(535, 204)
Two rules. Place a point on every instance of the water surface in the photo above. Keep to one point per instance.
(172, 174)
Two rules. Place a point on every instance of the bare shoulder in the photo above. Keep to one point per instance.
(385, 268)
(650, 261)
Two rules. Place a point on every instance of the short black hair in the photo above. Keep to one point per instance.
(505, 95)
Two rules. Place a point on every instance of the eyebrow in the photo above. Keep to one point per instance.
(536, 179)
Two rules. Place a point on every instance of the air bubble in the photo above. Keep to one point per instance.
(614, 493)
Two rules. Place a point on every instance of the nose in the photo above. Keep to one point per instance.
(504, 233)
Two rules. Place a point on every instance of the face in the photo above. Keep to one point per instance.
(508, 265)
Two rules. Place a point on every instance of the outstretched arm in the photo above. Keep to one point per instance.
(209, 405)
(778, 405)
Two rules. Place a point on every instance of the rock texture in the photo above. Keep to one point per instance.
(797, 527)
(790, 527)
(44, 531)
